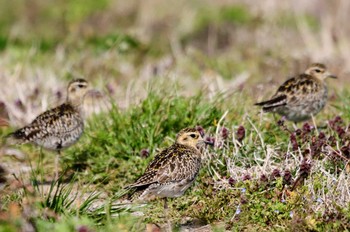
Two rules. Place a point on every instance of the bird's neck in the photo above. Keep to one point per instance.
(75, 102)
(187, 146)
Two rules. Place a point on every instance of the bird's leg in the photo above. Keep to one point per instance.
(314, 122)
(57, 163)
(166, 213)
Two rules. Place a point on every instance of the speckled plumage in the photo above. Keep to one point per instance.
(173, 170)
(302, 96)
(56, 128)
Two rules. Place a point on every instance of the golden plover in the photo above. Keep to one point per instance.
(57, 128)
(300, 97)
(172, 171)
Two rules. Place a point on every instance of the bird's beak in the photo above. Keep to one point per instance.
(211, 143)
(330, 75)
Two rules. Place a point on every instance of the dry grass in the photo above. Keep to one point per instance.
(237, 49)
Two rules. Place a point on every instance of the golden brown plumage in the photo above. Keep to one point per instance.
(302, 96)
(59, 127)
(55, 129)
(173, 170)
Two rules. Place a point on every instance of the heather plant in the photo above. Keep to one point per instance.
(157, 70)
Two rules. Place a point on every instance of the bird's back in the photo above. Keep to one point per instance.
(301, 85)
(54, 129)
(298, 98)
(170, 173)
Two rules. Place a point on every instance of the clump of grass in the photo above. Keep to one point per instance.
(115, 142)
(63, 207)
(294, 186)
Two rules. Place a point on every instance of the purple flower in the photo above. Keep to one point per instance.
(263, 178)
(224, 132)
(338, 119)
(332, 141)
(294, 142)
(287, 177)
(281, 121)
(82, 229)
(307, 128)
(201, 130)
(298, 132)
(275, 173)
(321, 135)
(246, 177)
(144, 153)
(240, 134)
(305, 168)
(231, 181)
(340, 131)
(19, 104)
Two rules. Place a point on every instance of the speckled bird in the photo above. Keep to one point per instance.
(301, 97)
(173, 170)
(57, 128)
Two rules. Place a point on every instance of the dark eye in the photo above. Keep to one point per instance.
(80, 86)
(193, 135)
(317, 70)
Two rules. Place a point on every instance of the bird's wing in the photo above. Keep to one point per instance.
(289, 91)
(172, 164)
(57, 121)
(62, 119)
(275, 101)
(302, 85)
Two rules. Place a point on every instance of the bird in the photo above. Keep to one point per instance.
(56, 128)
(172, 171)
(300, 97)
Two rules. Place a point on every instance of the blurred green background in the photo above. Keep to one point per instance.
(122, 45)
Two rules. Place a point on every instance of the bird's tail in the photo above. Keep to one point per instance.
(17, 137)
(269, 105)
(132, 193)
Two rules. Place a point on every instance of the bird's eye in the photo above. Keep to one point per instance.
(80, 86)
(193, 135)
(317, 70)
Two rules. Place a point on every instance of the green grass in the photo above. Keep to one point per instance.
(168, 67)
(121, 136)
(108, 158)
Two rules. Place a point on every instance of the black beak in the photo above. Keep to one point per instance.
(211, 143)
(332, 76)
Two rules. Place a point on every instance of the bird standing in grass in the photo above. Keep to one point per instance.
(301, 97)
(57, 128)
(172, 171)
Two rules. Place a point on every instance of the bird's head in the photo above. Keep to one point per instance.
(190, 137)
(76, 91)
(319, 71)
